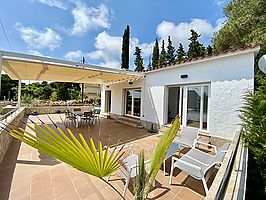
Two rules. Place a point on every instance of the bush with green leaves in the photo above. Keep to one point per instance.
(253, 115)
(26, 99)
(54, 96)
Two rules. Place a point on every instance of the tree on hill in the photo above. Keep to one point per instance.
(155, 54)
(209, 50)
(180, 53)
(170, 54)
(138, 60)
(8, 87)
(125, 49)
(195, 49)
(162, 59)
(246, 25)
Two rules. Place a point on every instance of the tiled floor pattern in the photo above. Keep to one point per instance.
(26, 174)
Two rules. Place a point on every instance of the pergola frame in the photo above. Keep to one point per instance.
(38, 68)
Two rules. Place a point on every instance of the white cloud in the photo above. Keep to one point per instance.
(34, 52)
(89, 18)
(108, 50)
(181, 32)
(54, 3)
(220, 23)
(219, 2)
(36, 40)
(74, 55)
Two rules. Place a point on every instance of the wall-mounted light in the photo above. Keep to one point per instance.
(184, 76)
(107, 86)
(130, 82)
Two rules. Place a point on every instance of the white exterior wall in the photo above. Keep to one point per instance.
(117, 96)
(229, 77)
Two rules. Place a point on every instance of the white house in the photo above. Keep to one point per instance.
(206, 92)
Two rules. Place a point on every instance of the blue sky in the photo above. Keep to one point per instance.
(70, 29)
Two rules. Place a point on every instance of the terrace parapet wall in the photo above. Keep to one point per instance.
(12, 122)
(55, 109)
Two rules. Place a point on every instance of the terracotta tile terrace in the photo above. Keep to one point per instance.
(26, 174)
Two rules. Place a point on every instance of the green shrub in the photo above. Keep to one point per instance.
(2, 112)
(26, 99)
(53, 96)
(254, 126)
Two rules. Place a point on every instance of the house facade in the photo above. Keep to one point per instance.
(206, 93)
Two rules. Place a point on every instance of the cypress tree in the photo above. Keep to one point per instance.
(138, 60)
(170, 55)
(155, 54)
(180, 53)
(195, 48)
(209, 50)
(162, 59)
(125, 49)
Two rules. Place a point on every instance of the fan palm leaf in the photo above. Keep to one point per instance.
(68, 149)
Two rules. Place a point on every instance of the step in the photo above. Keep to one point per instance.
(128, 121)
(131, 119)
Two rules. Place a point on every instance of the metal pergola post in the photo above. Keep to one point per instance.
(19, 93)
(1, 60)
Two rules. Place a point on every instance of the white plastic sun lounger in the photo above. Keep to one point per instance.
(196, 163)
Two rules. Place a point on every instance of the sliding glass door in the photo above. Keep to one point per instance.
(133, 102)
(190, 103)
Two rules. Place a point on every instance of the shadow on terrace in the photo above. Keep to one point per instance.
(26, 173)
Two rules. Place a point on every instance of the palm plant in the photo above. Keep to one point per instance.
(85, 157)
(68, 149)
(145, 179)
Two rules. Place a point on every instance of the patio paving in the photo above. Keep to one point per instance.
(26, 173)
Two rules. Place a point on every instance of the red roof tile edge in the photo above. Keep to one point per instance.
(229, 51)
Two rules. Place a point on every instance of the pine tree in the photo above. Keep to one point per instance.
(162, 59)
(155, 54)
(170, 55)
(209, 50)
(139, 60)
(180, 53)
(125, 49)
(195, 48)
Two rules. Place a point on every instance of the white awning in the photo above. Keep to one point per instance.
(28, 67)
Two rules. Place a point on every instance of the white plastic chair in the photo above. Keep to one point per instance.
(196, 163)
(173, 148)
(187, 137)
(130, 165)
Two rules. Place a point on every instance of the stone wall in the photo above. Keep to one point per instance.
(55, 109)
(12, 122)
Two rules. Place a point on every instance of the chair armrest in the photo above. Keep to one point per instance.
(206, 144)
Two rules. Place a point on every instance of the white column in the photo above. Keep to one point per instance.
(1, 61)
(19, 93)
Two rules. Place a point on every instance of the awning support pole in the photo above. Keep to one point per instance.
(19, 93)
(82, 92)
(1, 62)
